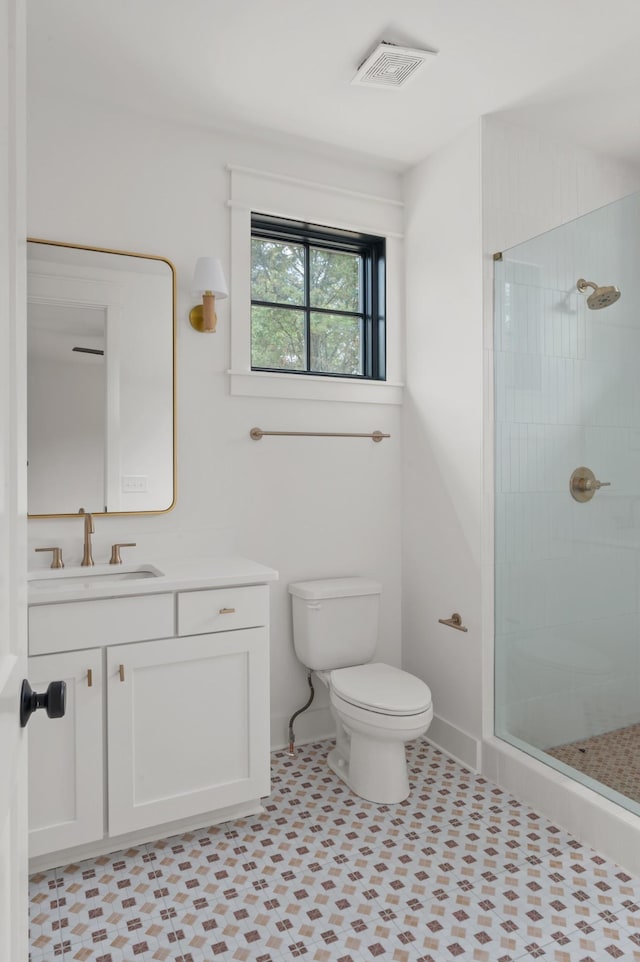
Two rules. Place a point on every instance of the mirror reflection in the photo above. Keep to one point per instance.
(100, 329)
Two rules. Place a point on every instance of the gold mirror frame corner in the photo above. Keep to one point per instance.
(174, 333)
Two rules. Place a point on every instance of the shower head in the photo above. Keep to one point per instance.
(601, 297)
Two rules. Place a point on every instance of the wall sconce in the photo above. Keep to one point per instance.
(208, 282)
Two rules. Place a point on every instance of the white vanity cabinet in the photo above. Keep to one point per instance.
(167, 721)
(187, 726)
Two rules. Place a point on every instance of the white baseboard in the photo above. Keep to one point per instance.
(453, 741)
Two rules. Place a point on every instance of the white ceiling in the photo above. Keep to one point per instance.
(283, 67)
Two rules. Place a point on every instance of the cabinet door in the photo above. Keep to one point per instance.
(188, 726)
(65, 755)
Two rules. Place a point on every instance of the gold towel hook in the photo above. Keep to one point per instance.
(455, 621)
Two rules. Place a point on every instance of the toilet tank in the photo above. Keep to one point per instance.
(335, 621)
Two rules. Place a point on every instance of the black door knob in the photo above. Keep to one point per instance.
(53, 700)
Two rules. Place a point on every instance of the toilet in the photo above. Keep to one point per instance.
(377, 708)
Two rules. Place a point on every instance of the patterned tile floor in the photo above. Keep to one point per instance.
(611, 758)
(459, 871)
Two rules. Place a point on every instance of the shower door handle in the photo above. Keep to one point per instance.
(584, 484)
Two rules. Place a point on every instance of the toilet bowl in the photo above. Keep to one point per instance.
(377, 708)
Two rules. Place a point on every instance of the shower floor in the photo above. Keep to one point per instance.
(612, 758)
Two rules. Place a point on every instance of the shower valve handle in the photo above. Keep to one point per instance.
(584, 484)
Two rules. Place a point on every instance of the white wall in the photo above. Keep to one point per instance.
(442, 465)
(307, 507)
(531, 183)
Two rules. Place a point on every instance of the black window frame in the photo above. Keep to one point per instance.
(372, 250)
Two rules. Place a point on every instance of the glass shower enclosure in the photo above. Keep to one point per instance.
(567, 502)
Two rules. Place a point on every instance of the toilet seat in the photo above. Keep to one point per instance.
(382, 689)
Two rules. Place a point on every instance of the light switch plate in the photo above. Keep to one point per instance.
(134, 483)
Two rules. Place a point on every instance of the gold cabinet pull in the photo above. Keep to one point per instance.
(227, 611)
(89, 678)
(121, 672)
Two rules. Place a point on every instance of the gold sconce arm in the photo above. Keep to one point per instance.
(203, 316)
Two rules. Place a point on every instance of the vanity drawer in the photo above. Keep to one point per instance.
(222, 609)
(93, 624)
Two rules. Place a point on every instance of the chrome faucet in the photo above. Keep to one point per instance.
(89, 529)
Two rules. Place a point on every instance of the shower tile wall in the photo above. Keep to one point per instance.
(567, 389)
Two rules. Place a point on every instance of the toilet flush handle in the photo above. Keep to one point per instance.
(314, 605)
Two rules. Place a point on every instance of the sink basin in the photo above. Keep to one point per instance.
(92, 577)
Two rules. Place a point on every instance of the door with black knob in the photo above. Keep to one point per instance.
(13, 456)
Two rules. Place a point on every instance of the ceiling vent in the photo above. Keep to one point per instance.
(391, 66)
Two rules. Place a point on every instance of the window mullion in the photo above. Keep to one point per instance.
(307, 299)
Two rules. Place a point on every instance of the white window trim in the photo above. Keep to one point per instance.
(264, 193)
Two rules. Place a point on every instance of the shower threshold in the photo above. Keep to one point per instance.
(612, 759)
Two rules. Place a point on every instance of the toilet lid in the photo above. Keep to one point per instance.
(381, 688)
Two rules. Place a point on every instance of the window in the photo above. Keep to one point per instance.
(317, 300)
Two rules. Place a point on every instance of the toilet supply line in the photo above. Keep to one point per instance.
(299, 712)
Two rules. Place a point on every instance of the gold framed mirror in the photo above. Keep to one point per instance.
(101, 381)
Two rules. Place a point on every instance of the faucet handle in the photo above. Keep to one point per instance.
(56, 561)
(115, 551)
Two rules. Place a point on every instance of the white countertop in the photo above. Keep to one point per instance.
(176, 575)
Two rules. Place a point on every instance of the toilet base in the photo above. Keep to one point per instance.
(375, 770)
(370, 750)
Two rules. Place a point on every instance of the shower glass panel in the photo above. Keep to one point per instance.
(567, 405)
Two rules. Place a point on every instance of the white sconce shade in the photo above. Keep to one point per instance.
(208, 277)
(209, 282)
